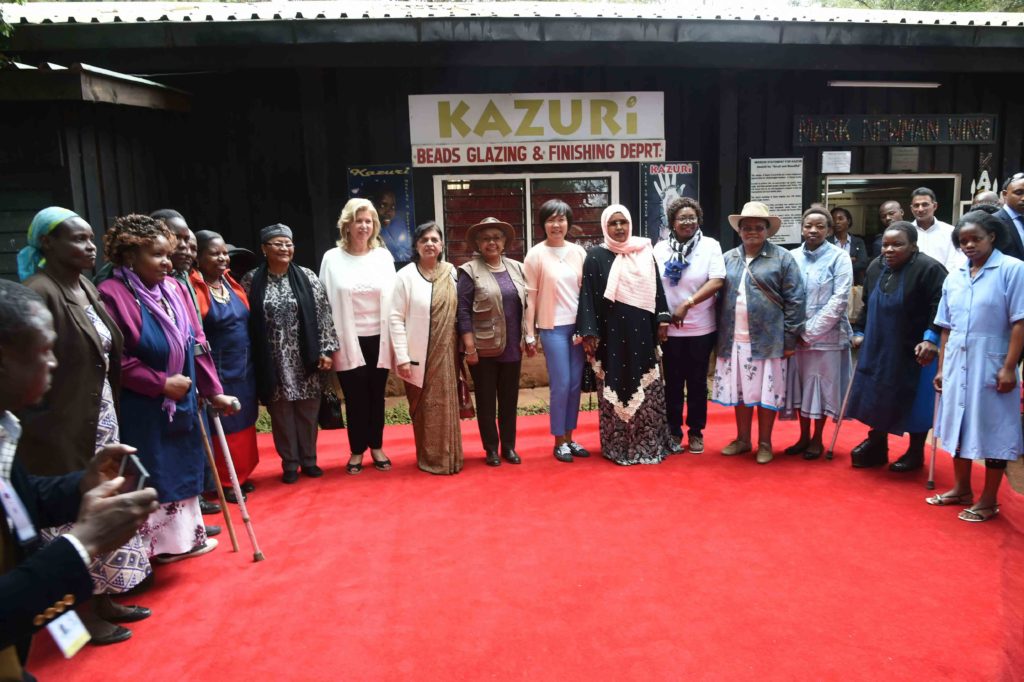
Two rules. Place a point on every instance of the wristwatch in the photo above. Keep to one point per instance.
(530, 340)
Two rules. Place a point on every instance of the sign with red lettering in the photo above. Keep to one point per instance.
(536, 128)
(504, 154)
(660, 185)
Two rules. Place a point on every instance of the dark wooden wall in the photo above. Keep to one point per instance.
(98, 160)
(273, 145)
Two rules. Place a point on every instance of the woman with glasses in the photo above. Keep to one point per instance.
(692, 271)
(492, 302)
(293, 338)
(623, 317)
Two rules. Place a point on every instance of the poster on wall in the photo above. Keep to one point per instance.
(660, 185)
(779, 184)
(389, 189)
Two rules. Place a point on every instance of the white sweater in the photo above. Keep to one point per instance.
(342, 273)
(410, 320)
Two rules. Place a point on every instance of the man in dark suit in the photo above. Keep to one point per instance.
(1012, 215)
(38, 584)
(888, 213)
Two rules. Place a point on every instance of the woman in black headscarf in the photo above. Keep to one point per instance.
(293, 338)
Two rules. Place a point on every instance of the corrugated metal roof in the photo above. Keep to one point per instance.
(150, 12)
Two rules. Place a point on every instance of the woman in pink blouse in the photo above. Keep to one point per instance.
(554, 274)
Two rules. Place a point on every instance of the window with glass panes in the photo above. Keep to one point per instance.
(463, 201)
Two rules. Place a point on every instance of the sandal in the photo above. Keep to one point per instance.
(354, 467)
(381, 464)
(979, 515)
(947, 500)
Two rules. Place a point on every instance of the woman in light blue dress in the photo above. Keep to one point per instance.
(982, 318)
(819, 372)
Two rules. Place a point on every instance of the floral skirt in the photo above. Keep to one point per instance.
(174, 528)
(744, 380)
(114, 572)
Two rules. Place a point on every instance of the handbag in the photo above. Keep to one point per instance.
(466, 409)
(330, 418)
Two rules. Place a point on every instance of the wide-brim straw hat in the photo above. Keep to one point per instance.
(756, 209)
(488, 223)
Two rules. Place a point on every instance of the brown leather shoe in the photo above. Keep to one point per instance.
(737, 447)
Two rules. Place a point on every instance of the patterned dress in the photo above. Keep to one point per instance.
(281, 311)
(127, 566)
(631, 393)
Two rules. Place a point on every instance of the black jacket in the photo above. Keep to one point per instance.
(39, 580)
(1012, 245)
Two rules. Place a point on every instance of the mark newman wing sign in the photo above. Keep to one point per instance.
(533, 128)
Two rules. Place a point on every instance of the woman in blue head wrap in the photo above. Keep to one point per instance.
(79, 413)
(46, 221)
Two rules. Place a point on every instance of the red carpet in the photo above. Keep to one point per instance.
(703, 567)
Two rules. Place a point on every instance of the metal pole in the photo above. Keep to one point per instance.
(257, 555)
(842, 411)
(220, 488)
(930, 485)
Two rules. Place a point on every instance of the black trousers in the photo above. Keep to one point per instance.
(496, 382)
(686, 372)
(364, 399)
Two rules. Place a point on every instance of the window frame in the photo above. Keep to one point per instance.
(439, 180)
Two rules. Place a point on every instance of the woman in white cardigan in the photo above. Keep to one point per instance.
(423, 334)
(359, 276)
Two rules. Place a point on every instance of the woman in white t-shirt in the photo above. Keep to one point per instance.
(359, 276)
(692, 271)
(554, 275)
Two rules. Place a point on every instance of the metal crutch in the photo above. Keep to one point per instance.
(257, 555)
(216, 480)
(930, 485)
(842, 412)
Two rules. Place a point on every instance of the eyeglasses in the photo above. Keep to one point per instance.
(280, 246)
(687, 221)
(493, 238)
(618, 223)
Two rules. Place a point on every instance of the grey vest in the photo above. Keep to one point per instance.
(489, 328)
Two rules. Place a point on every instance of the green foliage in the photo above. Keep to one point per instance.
(397, 414)
(6, 29)
(263, 421)
(923, 5)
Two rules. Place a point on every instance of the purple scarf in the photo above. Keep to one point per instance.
(177, 331)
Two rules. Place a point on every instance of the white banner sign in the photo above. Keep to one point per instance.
(468, 130)
(537, 152)
(779, 184)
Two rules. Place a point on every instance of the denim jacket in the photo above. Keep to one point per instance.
(828, 276)
(773, 329)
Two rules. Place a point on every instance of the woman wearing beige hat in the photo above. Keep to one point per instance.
(760, 316)
(492, 302)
